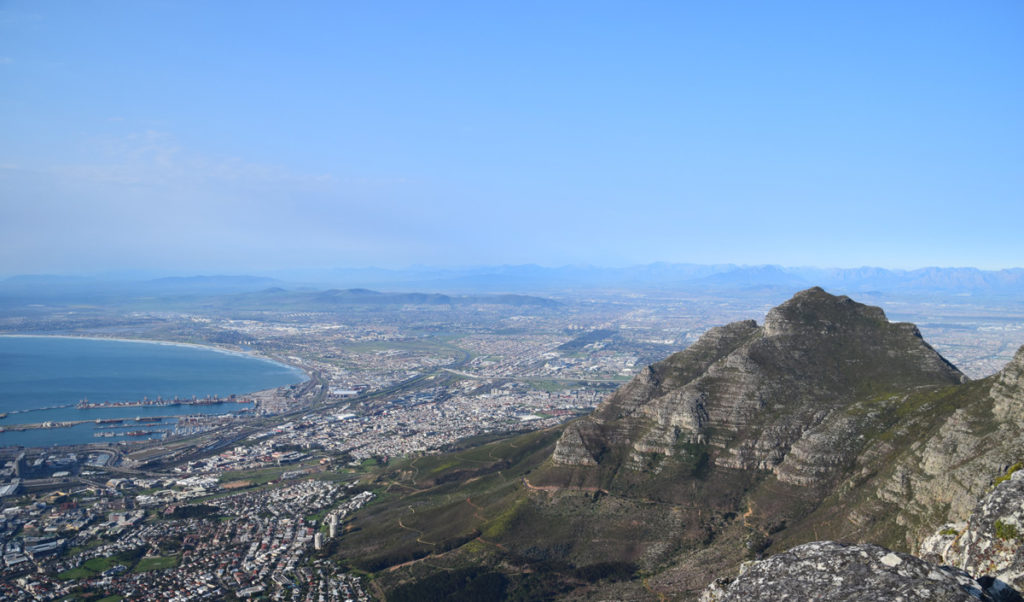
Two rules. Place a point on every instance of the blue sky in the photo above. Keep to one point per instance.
(257, 136)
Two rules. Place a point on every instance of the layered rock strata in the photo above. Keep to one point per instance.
(766, 398)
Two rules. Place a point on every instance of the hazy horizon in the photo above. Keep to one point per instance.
(234, 138)
(298, 271)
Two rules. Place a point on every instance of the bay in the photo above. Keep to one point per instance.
(43, 377)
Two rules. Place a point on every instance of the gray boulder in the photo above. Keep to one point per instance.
(827, 570)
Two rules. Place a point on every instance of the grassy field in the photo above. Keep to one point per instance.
(257, 476)
(76, 573)
(99, 565)
(155, 563)
(94, 566)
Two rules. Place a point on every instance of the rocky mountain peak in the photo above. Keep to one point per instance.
(816, 311)
(750, 395)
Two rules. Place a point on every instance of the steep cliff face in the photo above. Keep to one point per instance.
(766, 398)
(975, 443)
(1008, 391)
(657, 403)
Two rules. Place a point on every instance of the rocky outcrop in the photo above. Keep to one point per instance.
(769, 398)
(570, 448)
(1008, 391)
(991, 543)
(980, 559)
(853, 572)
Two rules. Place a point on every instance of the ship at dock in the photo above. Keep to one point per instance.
(145, 402)
(144, 433)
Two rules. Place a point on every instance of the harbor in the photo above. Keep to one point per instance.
(209, 400)
(63, 391)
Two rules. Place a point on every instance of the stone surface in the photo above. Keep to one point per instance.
(571, 450)
(991, 543)
(833, 571)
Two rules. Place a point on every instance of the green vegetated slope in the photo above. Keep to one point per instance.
(478, 508)
(826, 422)
(452, 511)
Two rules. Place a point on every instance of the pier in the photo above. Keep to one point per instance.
(113, 423)
(85, 404)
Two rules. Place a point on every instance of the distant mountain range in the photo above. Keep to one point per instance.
(100, 287)
(228, 292)
(715, 279)
(330, 299)
(676, 276)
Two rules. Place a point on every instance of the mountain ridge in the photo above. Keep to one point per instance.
(761, 367)
(825, 422)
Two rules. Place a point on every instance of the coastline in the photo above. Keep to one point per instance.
(249, 354)
(57, 415)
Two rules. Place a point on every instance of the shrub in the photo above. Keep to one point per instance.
(1006, 476)
(1006, 531)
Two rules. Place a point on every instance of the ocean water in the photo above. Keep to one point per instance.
(42, 378)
